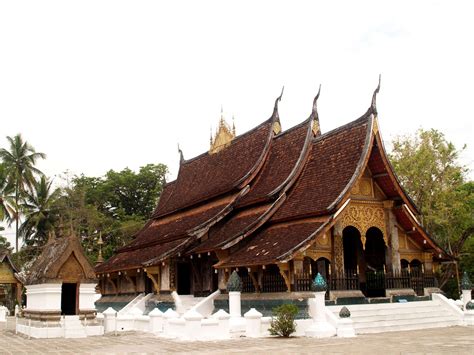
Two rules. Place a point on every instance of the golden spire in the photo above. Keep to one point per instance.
(224, 135)
(100, 242)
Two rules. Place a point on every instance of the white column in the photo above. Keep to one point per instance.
(3, 314)
(253, 320)
(110, 320)
(193, 324)
(223, 319)
(320, 327)
(156, 321)
(466, 297)
(234, 304)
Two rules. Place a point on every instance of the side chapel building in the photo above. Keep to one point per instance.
(278, 207)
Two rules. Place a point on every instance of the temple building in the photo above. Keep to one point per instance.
(278, 207)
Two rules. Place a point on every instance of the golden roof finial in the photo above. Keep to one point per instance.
(224, 135)
(100, 242)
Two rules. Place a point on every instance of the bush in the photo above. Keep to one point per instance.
(283, 320)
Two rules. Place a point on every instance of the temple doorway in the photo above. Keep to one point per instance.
(68, 299)
(184, 278)
(375, 262)
(353, 252)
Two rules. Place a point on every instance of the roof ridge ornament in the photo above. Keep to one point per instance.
(315, 116)
(275, 116)
(373, 105)
(181, 156)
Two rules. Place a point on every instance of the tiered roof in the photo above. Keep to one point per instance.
(266, 195)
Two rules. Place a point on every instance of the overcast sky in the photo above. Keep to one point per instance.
(99, 85)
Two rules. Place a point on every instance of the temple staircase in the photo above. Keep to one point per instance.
(386, 317)
(188, 302)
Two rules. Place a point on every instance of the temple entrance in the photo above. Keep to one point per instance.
(184, 278)
(353, 252)
(375, 262)
(68, 299)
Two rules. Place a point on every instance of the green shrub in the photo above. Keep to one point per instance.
(283, 320)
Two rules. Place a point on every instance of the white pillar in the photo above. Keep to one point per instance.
(110, 320)
(3, 314)
(167, 316)
(466, 297)
(193, 324)
(320, 327)
(223, 319)
(234, 304)
(156, 321)
(253, 320)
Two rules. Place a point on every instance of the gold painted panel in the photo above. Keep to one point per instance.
(364, 216)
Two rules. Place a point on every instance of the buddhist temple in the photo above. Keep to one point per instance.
(279, 206)
(10, 284)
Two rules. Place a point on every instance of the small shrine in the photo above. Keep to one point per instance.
(10, 284)
(61, 290)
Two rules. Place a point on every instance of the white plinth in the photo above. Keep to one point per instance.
(466, 297)
(234, 304)
(320, 328)
(43, 297)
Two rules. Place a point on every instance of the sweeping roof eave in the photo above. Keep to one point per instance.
(220, 168)
(441, 253)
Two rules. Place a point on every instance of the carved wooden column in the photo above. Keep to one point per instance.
(392, 248)
(338, 250)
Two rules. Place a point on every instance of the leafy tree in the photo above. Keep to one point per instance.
(19, 162)
(40, 212)
(4, 243)
(125, 193)
(428, 168)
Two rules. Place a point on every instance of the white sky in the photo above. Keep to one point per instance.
(101, 85)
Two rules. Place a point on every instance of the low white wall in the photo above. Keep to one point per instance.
(43, 297)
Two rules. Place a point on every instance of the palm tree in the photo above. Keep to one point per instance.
(20, 162)
(6, 200)
(40, 205)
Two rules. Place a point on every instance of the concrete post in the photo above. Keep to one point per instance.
(3, 314)
(320, 327)
(234, 304)
(156, 321)
(193, 324)
(169, 314)
(110, 319)
(253, 321)
(345, 325)
(223, 319)
(466, 297)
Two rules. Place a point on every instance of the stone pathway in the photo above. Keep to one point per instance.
(453, 340)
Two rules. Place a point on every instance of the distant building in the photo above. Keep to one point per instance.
(10, 285)
(280, 206)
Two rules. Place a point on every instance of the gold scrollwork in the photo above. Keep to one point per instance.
(364, 217)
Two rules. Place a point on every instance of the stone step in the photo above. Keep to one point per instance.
(402, 321)
(377, 306)
(405, 327)
(391, 312)
(401, 317)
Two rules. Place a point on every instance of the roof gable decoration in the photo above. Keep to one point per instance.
(223, 136)
(59, 255)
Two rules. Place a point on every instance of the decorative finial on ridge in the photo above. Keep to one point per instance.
(278, 99)
(373, 106)
(233, 125)
(314, 114)
(181, 156)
